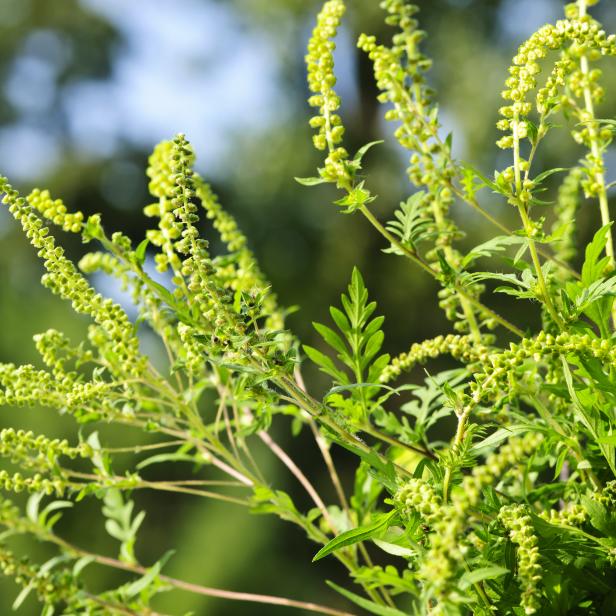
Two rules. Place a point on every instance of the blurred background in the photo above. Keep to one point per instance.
(88, 87)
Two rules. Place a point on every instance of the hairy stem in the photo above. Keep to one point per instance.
(528, 228)
(463, 416)
(597, 156)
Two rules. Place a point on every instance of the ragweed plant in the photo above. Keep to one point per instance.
(512, 512)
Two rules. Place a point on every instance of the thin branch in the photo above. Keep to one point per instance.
(299, 475)
(323, 448)
(368, 429)
(154, 485)
(140, 448)
(202, 590)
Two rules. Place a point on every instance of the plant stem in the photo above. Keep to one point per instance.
(368, 429)
(537, 263)
(314, 408)
(323, 446)
(431, 128)
(413, 256)
(139, 448)
(597, 156)
(528, 228)
(300, 476)
(196, 588)
(463, 416)
(437, 212)
(157, 485)
(466, 306)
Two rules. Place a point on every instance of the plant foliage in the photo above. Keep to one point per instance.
(489, 489)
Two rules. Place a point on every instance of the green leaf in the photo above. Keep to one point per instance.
(594, 292)
(143, 582)
(373, 346)
(93, 229)
(355, 535)
(601, 518)
(341, 321)
(331, 337)
(594, 265)
(448, 274)
(366, 604)
(588, 418)
(394, 549)
(362, 151)
(22, 596)
(325, 363)
(355, 305)
(483, 179)
(32, 507)
(310, 181)
(492, 246)
(560, 462)
(374, 326)
(377, 367)
(163, 293)
(357, 197)
(378, 465)
(546, 174)
(511, 278)
(478, 575)
(412, 223)
(339, 388)
(140, 252)
(43, 518)
(496, 438)
(81, 564)
(115, 530)
(166, 457)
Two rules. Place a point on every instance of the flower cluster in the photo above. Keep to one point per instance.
(449, 523)
(447, 542)
(26, 386)
(583, 33)
(551, 97)
(399, 71)
(170, 172)
(573, 514)
(41, 452)
(321, 81)
(459, 347)
(63, 279)
(607, 496)
(517, 521)
(37, 483)
(56, 351)
(55, 211)
(501, 367)
(26, 574)
(565, 210)
(417, 496)
(510, 455)
(239, 270)
(400, 75)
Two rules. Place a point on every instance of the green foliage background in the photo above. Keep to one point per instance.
(306, 247)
